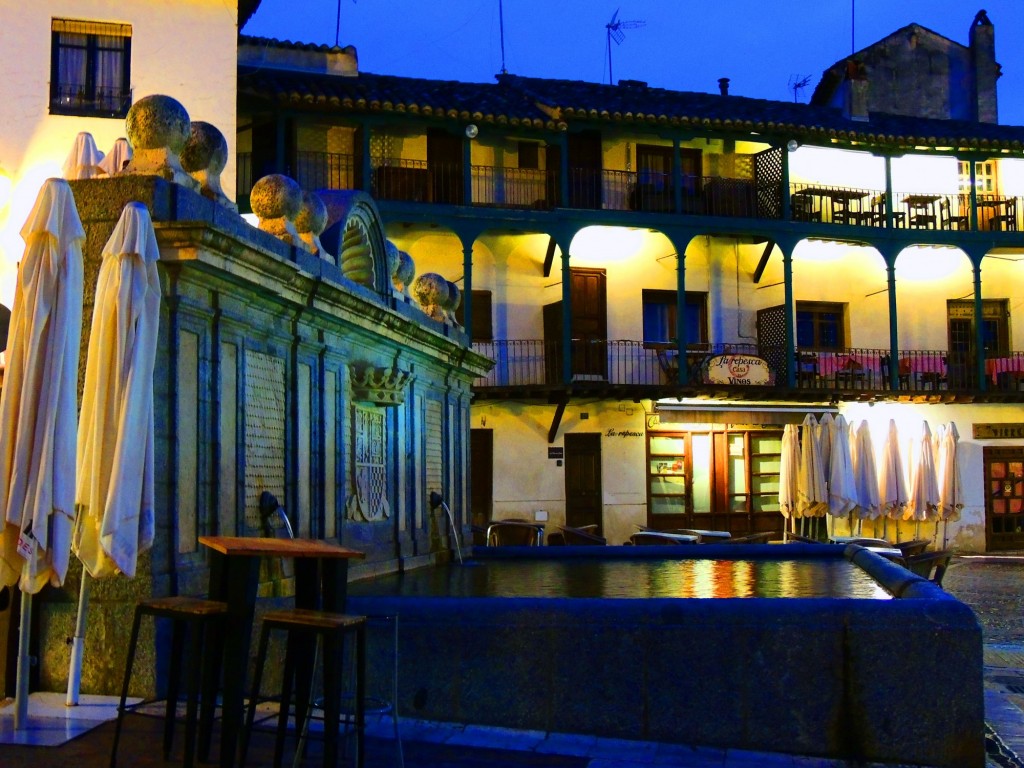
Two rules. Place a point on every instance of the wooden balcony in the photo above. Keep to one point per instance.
(624, 368)
(417, 181)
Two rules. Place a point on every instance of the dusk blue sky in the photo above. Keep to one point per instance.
(761, 45)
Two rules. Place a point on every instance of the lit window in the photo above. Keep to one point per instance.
(659, 312)
(90, 68)
(819, 325)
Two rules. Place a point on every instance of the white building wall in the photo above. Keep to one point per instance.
(186, 49)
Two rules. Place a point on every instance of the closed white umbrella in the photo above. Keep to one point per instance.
(865, 475)
(923, 502)
(117, 158)
(950, 479)
(812, 494)
(115, 441)
(39, 409)
(841, 484)
(892, 482)
(84, 161)
(789, 469)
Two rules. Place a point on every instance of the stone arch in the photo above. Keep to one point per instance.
(356, 235)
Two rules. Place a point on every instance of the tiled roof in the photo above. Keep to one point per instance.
(246, 8)
(556, 104)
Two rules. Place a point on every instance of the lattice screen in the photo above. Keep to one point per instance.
(771, 339)
(264, 431)
(768, 173)
(370, 476)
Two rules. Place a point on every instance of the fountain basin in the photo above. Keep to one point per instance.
(896, 679)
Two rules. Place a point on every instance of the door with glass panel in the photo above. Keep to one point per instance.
(720, 480)
(1004, 498)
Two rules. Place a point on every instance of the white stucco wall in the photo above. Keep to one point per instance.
(186, 49)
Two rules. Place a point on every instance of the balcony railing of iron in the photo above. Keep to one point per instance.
(324, 170)
(243, 173)
(417, 182)
(99, 100)
(1005, 372)
(514, 187)
(829, 204)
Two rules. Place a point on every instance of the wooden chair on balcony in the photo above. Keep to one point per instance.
(948, 221)
(806, 369)
(902, 377)
(851, 375)
(802, 208)
(1007, 220)
(934, 379)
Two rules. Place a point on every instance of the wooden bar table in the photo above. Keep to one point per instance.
(321, 583)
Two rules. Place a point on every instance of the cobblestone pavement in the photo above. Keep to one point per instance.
(992, 586)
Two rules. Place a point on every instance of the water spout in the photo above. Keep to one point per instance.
(436, 501)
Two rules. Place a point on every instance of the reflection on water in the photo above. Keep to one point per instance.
(633, 579)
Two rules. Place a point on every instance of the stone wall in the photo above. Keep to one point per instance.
(259, 345)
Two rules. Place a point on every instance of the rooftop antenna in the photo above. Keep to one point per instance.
(614, 28)
(337, 25)
(853, 26)
(501, 28)
(797, 84)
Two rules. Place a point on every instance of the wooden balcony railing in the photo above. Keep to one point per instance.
(616, 363)
(417, 181)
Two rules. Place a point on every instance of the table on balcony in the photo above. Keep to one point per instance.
(840, 202)
(1005, 372)
(847, 369)
(921, 211)
(997, 213)
(925, 369)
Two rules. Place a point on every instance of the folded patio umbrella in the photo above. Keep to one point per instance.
(842, 498)
(923, 500)
(118, 156)
(84, 160)
(114, 497)
(39, 409)
(865, 475)
(950, 479)
(812, 494)
(892, 482)
(789, 469)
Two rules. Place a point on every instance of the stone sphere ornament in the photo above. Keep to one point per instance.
(392, 255)
(158, 127)
(276, 200)
(430, 290)
(454, 299)
(404, 273)
(310, 223)
(203, 157)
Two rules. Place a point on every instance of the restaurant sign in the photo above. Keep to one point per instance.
(738, 369)
(998, 431)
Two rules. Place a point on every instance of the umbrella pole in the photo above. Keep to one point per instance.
(78, 644)
(24, 636)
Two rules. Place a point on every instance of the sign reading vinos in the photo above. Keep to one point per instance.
(738, 369)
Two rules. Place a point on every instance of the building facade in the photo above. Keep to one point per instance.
(664, 279)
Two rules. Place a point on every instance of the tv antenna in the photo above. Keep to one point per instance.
(615, 29)
(797, 84)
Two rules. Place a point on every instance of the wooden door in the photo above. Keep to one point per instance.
(445, 164)
(1004, 498)
(589, 317)
(481, 478)
(583, 495)
(589, 323)
(585, 163)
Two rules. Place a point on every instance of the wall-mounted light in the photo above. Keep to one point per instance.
(471, 131)
(793, 145)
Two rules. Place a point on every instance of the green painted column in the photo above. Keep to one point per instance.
(566, 317)
(467, 286)
(467, 171)
(790, 305)
(682, 370)
(786, 205)
(677, 181)
(367, 180)
(979, 326)
(894, 351)
(974, 195)
(888, 193)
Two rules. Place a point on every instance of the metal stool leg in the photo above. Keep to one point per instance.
(124, 687)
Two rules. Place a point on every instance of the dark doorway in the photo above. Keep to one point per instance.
(583, 495)
(481, 493)
(588, 296)
(444, 164)
(1004, 498)
(585, 163)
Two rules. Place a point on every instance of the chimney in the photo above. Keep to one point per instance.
(984, 69)
(723, 86)
(856, 106)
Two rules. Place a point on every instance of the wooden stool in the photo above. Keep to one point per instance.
(330, 628)
(194, 614)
